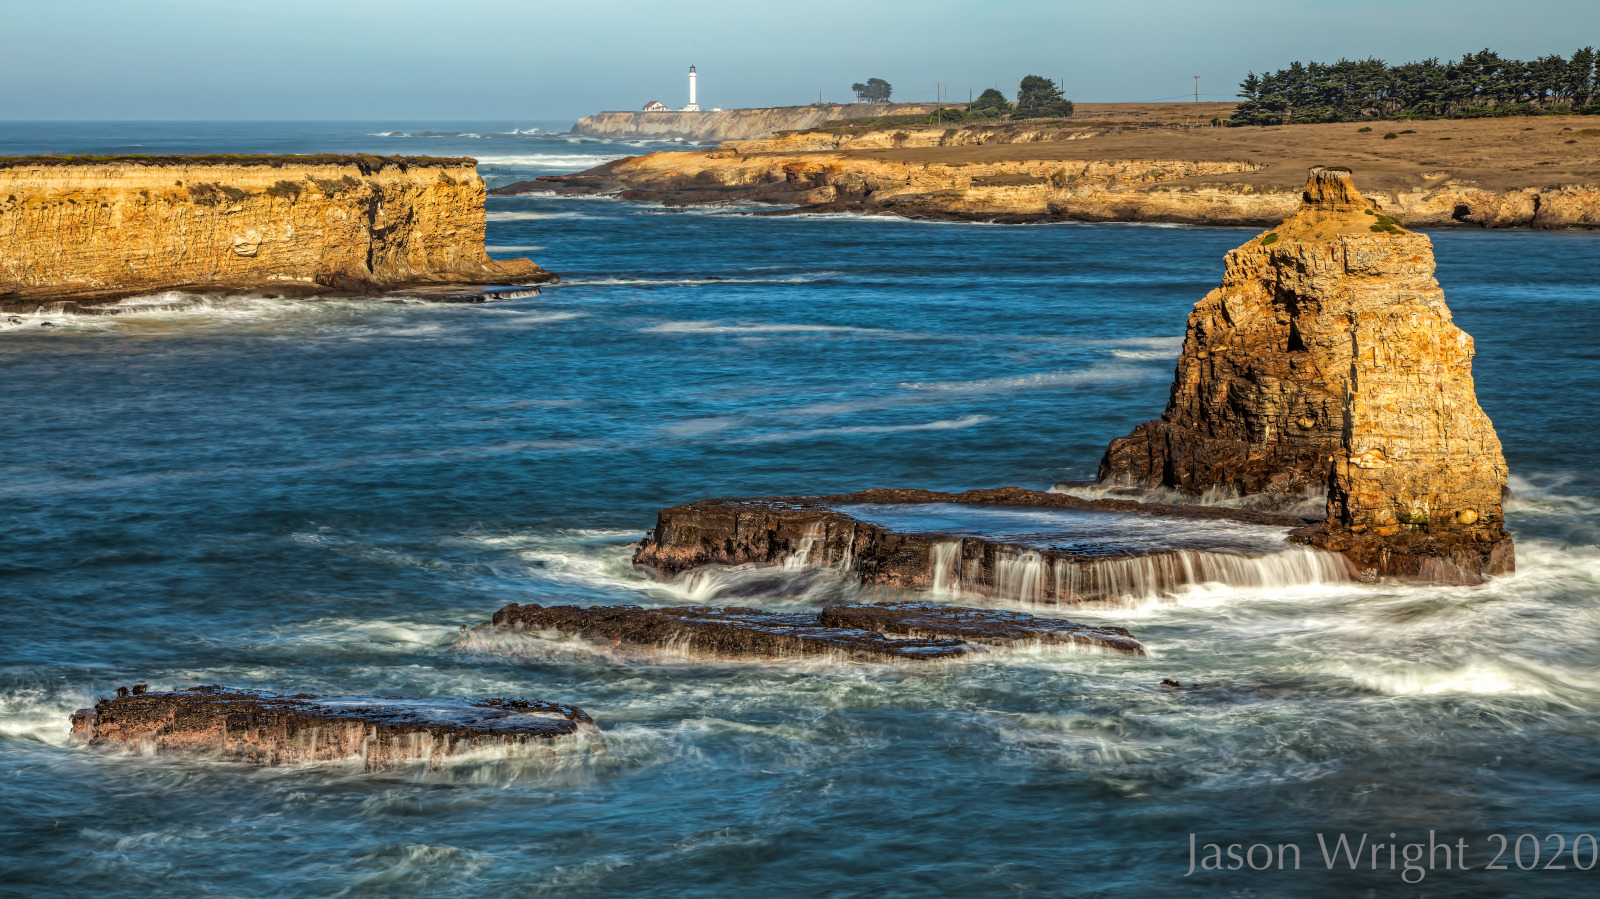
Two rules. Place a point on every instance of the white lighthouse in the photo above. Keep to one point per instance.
(693, 106)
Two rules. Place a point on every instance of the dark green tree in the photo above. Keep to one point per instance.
(992, 101)
(991, 104)
(1039, 98)
(1479, 84)
(876, 90)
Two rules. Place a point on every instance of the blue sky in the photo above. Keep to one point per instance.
(498, 59)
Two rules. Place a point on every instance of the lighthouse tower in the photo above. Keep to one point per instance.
(693, 106)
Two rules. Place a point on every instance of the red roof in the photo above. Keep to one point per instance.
(654, 103)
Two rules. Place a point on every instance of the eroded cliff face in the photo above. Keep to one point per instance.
(1327, 361)
(85, 227)
(866, 170)
(1096, 190)
(729, 124)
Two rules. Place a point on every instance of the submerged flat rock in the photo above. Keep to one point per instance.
(274, 729)
(868, 632)
(994, 627)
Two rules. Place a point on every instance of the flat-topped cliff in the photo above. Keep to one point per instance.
(87, 228)
(731, 124)
(1327, 362)
(1497, 173)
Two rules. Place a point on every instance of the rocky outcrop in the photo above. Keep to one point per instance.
(730, 124)
(272, 729)
(889, 631)
(1327, 362)
(86, 229)
(814, 532)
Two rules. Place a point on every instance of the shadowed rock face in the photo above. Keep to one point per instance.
(1327, 362)
(271, 729)
(911, 631)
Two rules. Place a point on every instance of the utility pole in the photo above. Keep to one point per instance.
(1197, 88)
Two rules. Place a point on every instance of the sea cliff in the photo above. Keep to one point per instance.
(87, 229)
(730, 124)
(1489, 174)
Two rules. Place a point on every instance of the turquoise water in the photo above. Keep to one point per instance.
(315, 495)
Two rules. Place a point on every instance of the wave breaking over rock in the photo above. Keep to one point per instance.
(911, 631)
(1075, 550)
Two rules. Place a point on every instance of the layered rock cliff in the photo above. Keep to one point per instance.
(1098, 171)
(729, 124)
(1093, 190)
(87, 228)
(1327, 361)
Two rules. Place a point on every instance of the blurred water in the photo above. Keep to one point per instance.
(314, 495)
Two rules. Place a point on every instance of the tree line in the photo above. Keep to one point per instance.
(1481, 84)
(1037, 98)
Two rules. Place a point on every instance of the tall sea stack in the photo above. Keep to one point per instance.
(1327, 362)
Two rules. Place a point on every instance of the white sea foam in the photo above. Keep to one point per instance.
(718, 328)
(1142, 355)
(532, 320)
(509, 216)
(599, 558)
(1311, 504)
(953, 424)
(699, 427)
(40, 714)
(550, 160)
(529, 248)
(1091, 375)
(673, 282)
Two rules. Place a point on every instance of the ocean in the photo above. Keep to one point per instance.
(315, 495)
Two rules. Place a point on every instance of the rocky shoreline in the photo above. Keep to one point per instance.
(730, 124)
(1482, 174)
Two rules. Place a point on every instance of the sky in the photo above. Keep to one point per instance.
(502, 60)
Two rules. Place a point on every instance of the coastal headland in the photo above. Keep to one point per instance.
(87, 230)
(1135, 163)
(731, 124)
